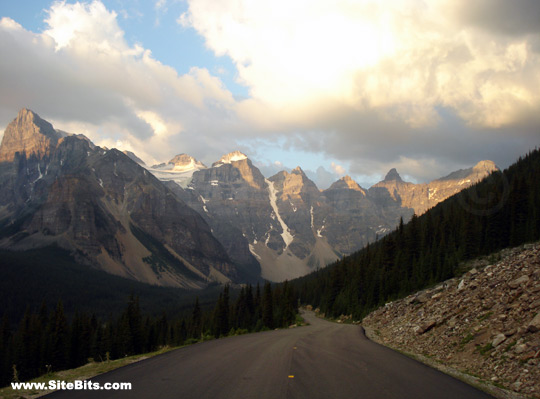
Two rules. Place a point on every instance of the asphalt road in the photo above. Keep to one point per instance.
(323, 360)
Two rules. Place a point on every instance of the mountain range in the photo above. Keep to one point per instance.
(289, 226)
(184, 224)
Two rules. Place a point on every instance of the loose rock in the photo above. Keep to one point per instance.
(492, 331)
(499, 338)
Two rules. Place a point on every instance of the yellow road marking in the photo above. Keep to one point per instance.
(291, 376)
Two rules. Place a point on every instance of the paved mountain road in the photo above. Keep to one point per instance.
(323, 360)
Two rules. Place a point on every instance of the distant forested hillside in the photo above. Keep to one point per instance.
(28, 278)
(501, 211)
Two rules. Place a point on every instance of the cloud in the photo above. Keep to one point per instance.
(76, 24)
(160, 4)
(400, 58)
(443, 82)
(322, 177)
(518, 17)
(80, 73)
(338, 169)
(366, 84)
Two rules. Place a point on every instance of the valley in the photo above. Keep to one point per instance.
(183, 181)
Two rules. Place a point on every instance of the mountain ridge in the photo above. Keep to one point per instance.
(423, 196)
(104, 208)
(290, 227)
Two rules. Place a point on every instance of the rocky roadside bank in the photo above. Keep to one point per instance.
(484, 324)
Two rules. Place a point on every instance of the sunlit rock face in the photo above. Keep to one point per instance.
(30, 135)
(421, 197)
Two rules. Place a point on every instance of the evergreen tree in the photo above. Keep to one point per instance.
(267, 307)
(221, 314)
(59, 339)
(196, 320)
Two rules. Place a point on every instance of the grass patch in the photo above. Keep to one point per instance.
(466, 339)
(484, 349)
(485, 316)
(299, 321)
(510, 346)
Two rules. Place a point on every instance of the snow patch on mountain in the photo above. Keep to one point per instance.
(286, 234)
(180, 169)
(252, 250)
(231, 157)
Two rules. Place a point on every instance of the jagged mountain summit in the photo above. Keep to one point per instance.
(104, 208)
(347, 183)
(179, 169)
(231, 157)
(28, 134)
(392, 175)
(421, 197)
(289, 227)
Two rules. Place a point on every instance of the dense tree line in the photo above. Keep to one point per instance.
(47, 341)
(501, 211)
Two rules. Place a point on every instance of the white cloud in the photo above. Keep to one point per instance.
(77, 23)
(368, 84)
(160, 4)
(338, 169)
(81, 73)
(403, 58)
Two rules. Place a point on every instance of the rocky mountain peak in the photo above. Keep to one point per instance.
(294, 184)
(473, 174)
(485, 166)
(90, 143)
(393, 175)
(421, 197)
(297, 171)
(231, 157)
(30, 134)
(346, 182)
(234, 167)
(184, 162)
(103, 208)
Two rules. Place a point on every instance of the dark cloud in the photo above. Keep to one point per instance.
(371, 143)
(509, 17)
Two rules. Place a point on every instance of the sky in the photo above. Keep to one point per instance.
(337, 87)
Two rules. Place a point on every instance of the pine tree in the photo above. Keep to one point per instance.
(59, 339)
(196, 320)
(134, 317)
(267, 307)
(221, 314)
